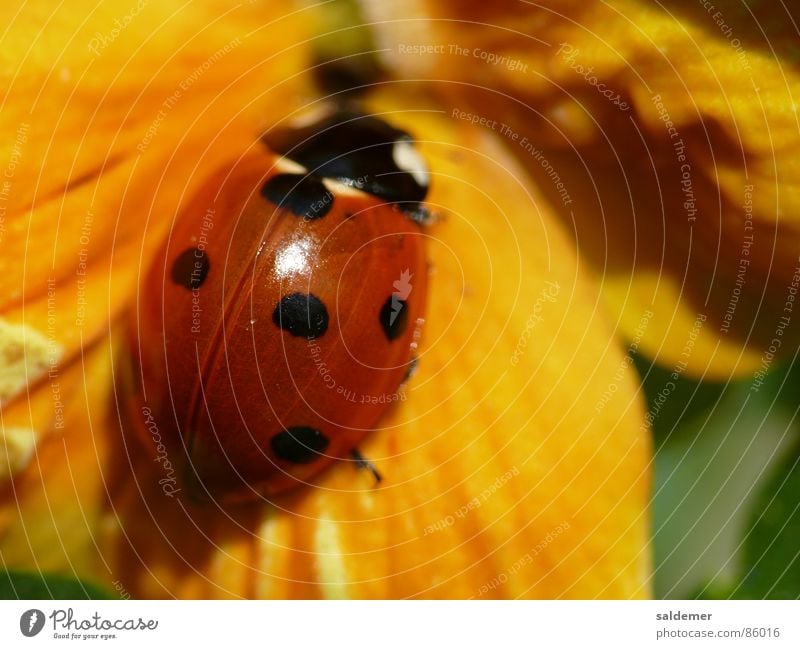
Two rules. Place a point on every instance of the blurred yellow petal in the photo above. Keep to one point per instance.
(506, 473)
(675, 131)
(517, 464)
(111, 116)
(25, 356)
(15, 452)
(49, 513)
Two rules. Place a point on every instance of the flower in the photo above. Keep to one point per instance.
(675, 131)
(518, 465)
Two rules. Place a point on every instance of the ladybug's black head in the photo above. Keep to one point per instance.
(359, 150)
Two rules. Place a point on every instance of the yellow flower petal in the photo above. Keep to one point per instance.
(683, 182)
(25, 356)
(506, 474)
(15, 452)
(49, 514)
(111, 116)
(516, 465)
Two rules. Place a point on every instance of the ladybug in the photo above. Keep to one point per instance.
(283, 313)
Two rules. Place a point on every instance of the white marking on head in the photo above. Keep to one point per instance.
(312, 115)
(407, 158)
(341, 188)
(288, 166)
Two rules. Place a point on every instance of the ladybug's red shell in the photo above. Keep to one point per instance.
(276, 325)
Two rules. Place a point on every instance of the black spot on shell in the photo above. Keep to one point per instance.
(303, 195)
(299, 444)
(394, 317)
(190, 268)
(301, 314)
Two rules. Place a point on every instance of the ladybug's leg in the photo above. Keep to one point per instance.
(363, 463)
(419, 214)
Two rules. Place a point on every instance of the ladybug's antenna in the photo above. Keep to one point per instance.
(363, 463)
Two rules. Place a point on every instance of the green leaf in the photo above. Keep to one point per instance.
(16, 584)
(708, 474)
(670, 406)
(771, 549)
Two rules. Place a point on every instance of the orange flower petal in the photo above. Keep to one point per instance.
(516, 465)
(112, 115)
(50, 511)
(25, 356)
(675, 132)
(506, 473)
